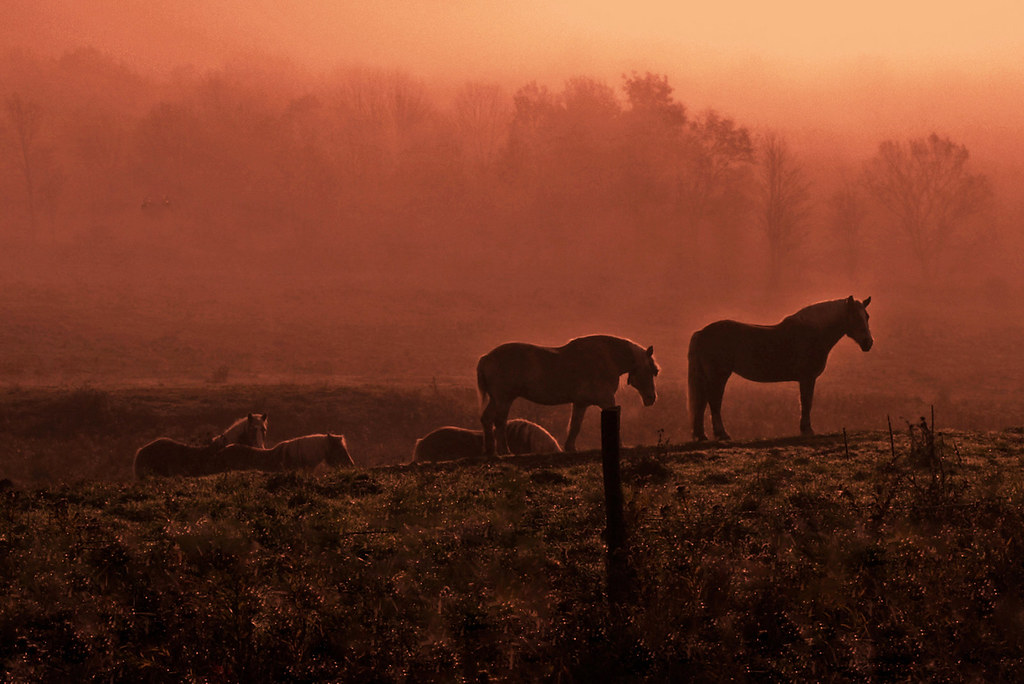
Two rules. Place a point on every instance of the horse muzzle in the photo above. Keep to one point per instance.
(865, 345)
(649, 399)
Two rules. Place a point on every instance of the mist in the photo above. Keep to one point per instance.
(216, 193)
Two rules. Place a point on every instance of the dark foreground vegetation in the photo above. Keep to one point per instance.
(824, 559)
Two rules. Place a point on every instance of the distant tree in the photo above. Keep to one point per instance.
(25, 117)
(650, 99)
(785, 196)
(482, 113)
(925, 184)
(719, 156)
(654, 133)
(847, 211)
(563, 149)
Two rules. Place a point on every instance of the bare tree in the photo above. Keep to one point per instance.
(25, 118)
(847, 212)
(926, 186)
(482, 114)
(785, 197)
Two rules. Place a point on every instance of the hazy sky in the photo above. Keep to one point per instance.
(440, 35)
(875, 64)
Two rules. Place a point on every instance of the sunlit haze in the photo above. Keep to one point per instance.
(417, 175)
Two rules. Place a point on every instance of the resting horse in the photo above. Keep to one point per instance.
(299, 453)
(795, 349)
(583, 372)
(168, 457)
(250, 430)
(450, 443)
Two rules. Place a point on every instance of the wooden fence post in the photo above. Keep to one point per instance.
(617, 563)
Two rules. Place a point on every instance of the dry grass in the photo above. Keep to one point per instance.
(780, 560)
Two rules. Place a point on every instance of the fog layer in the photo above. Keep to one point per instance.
(283, 215)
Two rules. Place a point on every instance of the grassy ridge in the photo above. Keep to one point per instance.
(89, 433)
(777, 560)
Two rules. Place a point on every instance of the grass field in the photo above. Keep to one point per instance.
(778, 559)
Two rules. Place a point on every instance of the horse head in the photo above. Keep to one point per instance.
(857, 322)
(337, 451)
(255, 433)
(642, 375)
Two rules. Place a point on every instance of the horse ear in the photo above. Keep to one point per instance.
(866, 302)
(850, 300)
(650, 350)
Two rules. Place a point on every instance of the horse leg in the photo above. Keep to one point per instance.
(698, 398)
(500, 419)
(716, 391)
(806, 400)
(575, 421)
(487, 420)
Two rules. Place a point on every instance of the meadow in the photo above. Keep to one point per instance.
(864, 556)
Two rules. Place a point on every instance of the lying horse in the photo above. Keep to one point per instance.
(795, 349)
(299, 453)
(583, 372)
(450, 443)
(250, 430)
(168, 457)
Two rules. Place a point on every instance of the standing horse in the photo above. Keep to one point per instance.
(450, 443)
(167, 457)
(796, 349)
(299, 453)
(583, 372)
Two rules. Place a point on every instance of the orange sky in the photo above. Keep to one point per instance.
(441, 35)
(759, 61)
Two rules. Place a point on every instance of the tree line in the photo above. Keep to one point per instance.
(377, 161)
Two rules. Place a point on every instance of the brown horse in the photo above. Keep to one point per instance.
(583, 372)
(795, 349)
(250, 430)
(299, 453)
(450, 443)
(167, 457)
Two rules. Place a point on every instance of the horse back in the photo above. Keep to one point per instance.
(583, 370)
(244, 457)
(448, 443)
(762, 353)
(167, 457)
(526, 437)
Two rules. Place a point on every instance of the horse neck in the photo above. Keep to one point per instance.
(827, 320)
(626, 355)
(231, 435)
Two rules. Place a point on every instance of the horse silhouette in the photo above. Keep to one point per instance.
(450, 443)
(250, 430)
(299, 453)
(583, 372)
(168, 457)
(796, 349)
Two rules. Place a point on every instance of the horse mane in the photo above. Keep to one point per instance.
(819, 315)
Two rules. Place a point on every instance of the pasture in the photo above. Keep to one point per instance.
(775, 559)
